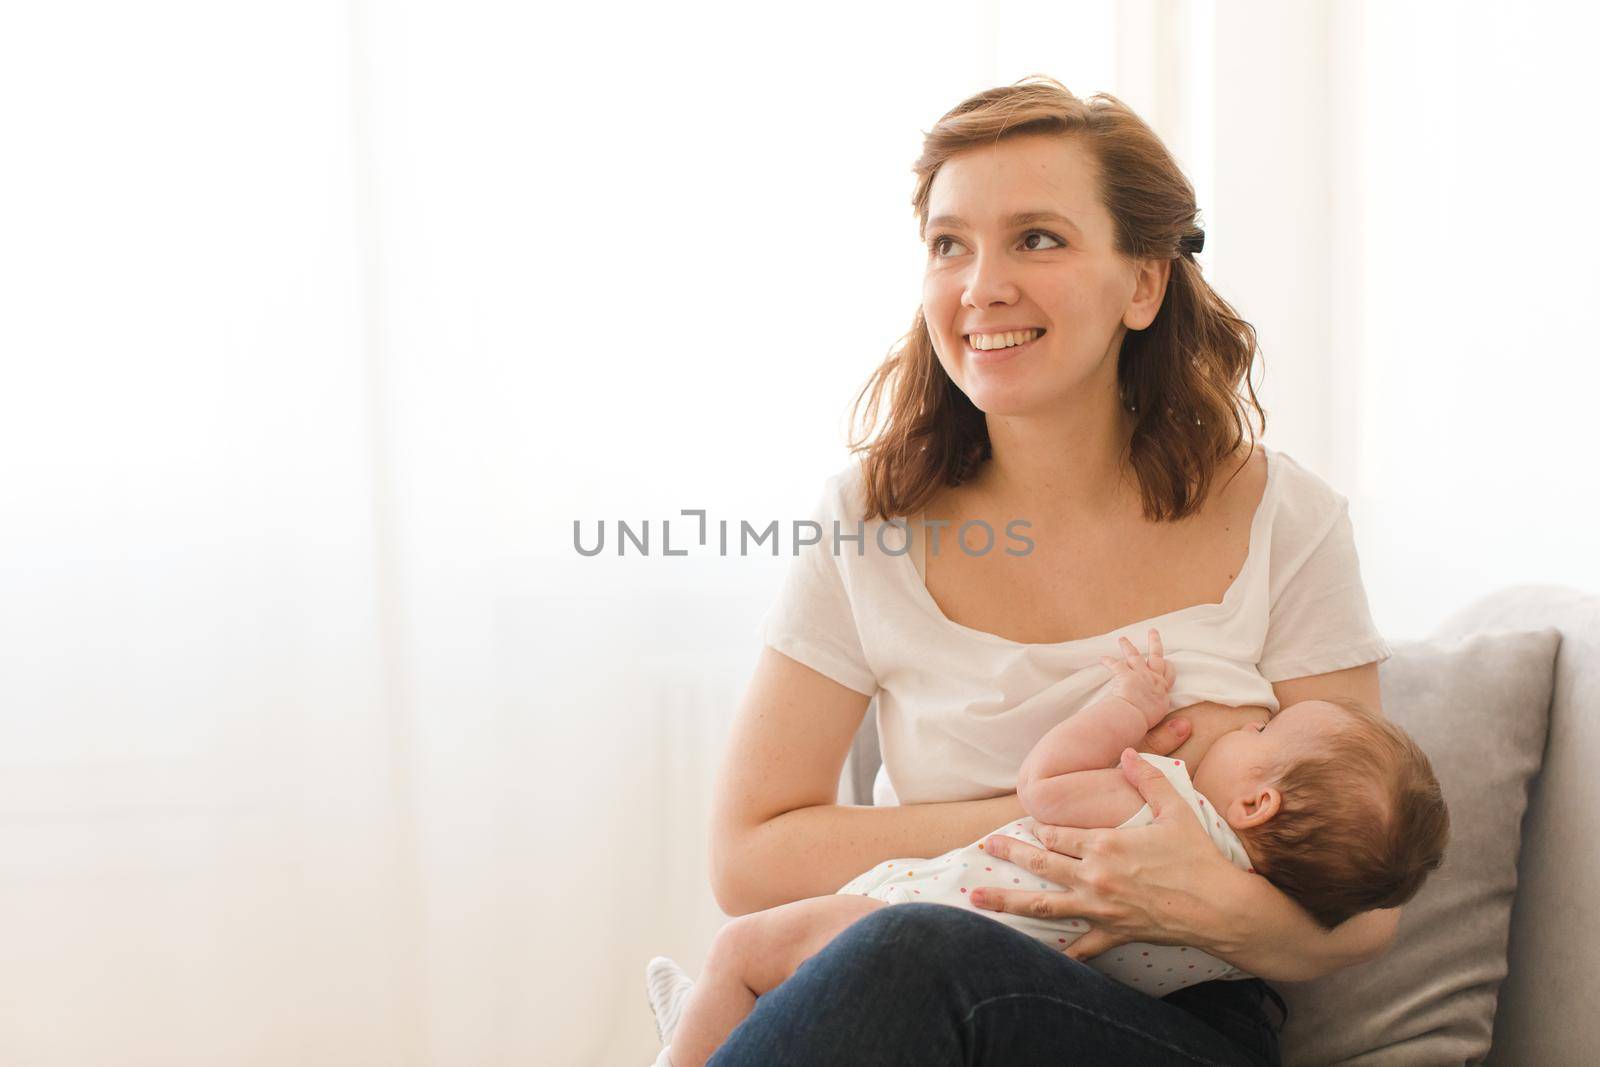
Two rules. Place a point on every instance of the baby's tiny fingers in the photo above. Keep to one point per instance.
(1112, 664)
(1157, 663)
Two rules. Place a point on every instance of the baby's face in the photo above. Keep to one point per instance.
(1243, 761)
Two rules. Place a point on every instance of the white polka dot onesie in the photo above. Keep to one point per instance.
(950, 879)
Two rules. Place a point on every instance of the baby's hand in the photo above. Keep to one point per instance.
(1142, 683)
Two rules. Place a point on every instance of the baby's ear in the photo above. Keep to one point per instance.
(1254, 808)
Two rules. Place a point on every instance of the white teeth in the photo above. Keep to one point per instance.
(988, 342)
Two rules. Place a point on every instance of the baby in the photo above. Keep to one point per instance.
(1334, 805)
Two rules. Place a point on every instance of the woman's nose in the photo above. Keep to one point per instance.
(989, 283)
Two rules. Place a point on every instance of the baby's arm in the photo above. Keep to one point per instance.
(1093, 739)
(1085, 799)
(1070, 777)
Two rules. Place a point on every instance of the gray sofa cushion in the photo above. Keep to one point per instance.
(1545, 1014)
(1479, 706)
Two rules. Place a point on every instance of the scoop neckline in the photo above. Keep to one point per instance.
(919, 586)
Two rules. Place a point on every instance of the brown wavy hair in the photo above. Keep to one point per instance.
(1180, 375)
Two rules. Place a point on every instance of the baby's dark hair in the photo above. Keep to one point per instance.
(1360, 824)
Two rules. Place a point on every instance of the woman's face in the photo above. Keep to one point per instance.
(1018, 240)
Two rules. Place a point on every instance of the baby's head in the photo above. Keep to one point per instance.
(1336, 806)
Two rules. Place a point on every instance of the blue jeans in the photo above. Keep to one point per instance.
(927, 985)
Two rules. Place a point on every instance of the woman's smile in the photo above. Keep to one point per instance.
(988, 357)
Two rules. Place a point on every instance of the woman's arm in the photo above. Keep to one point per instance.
(1167, 883)
(1272, 937)
(777, 833)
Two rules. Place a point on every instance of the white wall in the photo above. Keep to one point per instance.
(1399, 210)
(1480, 362)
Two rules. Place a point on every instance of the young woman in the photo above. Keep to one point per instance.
(1070, 368)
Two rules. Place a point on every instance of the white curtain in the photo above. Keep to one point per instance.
(1400, 207)
(322, 324)
(1481, 362)
(205, 855)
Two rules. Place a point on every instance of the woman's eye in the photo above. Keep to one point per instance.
(1030, 241)
(1040, 233)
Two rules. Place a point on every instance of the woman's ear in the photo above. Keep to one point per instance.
(1149, 288)
(1254, 808)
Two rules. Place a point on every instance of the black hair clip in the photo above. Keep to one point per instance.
(1193, 243)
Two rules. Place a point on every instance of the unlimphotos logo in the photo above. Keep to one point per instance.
(974, 537)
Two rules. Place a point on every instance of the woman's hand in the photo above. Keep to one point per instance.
(1164, 883)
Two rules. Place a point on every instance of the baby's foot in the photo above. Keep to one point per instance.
(668, 988)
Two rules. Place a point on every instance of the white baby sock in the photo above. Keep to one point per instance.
(668, 988)
(663, 1060)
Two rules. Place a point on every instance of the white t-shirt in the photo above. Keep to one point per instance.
(959, 709)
